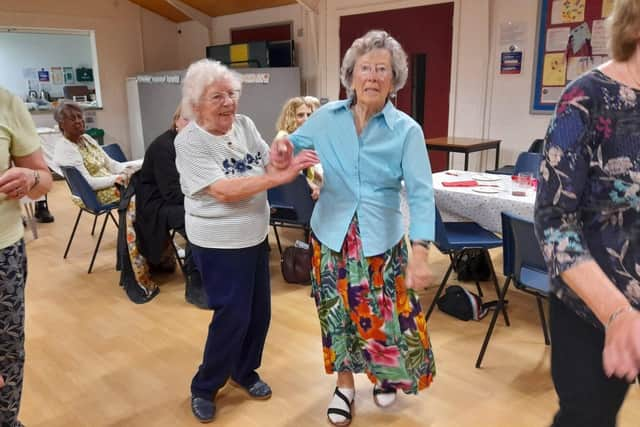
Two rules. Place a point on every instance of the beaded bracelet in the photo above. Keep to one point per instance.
(617, 313)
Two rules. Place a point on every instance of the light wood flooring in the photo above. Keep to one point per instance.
(96, 359)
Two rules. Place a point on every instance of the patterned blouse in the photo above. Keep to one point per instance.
(588, 201)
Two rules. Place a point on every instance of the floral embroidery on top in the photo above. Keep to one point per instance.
(588, 201)
(240, 166)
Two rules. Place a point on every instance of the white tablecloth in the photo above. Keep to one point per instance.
(465, 204)
(49, 137)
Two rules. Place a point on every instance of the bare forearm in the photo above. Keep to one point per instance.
(598, 292)
(237, 189)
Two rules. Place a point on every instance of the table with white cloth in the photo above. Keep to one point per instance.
(483, 203)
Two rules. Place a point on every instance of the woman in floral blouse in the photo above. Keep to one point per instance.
(587, 220)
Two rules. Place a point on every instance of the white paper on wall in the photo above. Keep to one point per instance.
(557, 39)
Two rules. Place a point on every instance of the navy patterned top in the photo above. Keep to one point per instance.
(588, 201)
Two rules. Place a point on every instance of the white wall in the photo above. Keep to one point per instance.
(159, 42)
(193, 40)
(510, 97)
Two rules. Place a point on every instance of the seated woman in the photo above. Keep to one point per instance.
(160, 207)
(294, 113)
(79, 150)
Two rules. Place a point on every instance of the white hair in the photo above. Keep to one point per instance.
(375, 39)
(200, 75)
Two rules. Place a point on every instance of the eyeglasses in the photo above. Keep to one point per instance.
(218, 98)
(369, 70)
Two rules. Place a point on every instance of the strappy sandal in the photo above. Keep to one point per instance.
(338, 411)
(386, 391)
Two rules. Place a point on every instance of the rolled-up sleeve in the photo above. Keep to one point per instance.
(562, 185)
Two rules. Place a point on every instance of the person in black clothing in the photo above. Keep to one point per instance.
(160, 207)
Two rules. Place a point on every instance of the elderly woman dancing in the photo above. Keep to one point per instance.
(362, 278)
(224, 174)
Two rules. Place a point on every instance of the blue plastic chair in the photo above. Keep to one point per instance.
(291, 206)
(536, 147)
(528, 163)
(115, 152)
(524, 266)
(452, 238)
(80, 188)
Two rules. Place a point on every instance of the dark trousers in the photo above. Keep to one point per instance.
(13, 268)
(587, 397)
(175, 221)
(236, 282)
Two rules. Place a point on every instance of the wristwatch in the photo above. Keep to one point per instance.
(423, 243)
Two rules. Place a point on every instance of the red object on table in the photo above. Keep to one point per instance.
(469, 183)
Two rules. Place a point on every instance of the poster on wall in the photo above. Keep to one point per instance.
(511, 62)
(571, 40)
(68, 75)
(56, 76)
(43, 75)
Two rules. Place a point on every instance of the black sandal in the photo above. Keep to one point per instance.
(383, 390)
(337, 411)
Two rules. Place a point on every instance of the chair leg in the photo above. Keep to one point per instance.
(479, 289)
(93, 229)
(275, 231)
(73, 233)
(95, 252)
(494, 318)
(543, 321)
(439, 291)
(114, 220)
(495, 284)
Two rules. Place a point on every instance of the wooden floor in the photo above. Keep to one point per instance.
(96, 359)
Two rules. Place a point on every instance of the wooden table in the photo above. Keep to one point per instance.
(453, 144)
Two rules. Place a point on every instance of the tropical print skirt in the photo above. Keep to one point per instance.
(371, 323)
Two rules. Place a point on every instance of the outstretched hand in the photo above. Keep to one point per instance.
(304, 159)
(281, 153)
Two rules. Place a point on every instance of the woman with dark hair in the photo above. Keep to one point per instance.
(160, 207)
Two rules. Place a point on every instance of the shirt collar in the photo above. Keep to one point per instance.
(389, 112)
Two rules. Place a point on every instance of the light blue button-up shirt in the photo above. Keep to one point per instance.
(363, 175)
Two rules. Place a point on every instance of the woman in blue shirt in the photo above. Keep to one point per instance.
(362, 278)
(587, 220)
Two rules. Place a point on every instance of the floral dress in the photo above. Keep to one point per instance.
(96, 162)
(370, 321)
(588, 200)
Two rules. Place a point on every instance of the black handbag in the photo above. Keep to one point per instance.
(464, 305)
(295, 265)
(472, 266)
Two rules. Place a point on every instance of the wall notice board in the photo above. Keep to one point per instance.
(571, 40)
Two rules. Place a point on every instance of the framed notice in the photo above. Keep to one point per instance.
(570, 41)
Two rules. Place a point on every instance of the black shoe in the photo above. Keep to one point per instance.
(203, 409)
(42, 213)
(194, 291)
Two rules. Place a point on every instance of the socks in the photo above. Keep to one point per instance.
(384, 399)
(338, 403)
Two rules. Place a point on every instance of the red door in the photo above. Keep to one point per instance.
(420, 30)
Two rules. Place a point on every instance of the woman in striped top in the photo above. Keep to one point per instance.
(224, 174)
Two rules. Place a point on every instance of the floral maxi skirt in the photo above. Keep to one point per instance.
(370, 321)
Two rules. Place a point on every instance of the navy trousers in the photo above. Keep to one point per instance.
(237, 285)
(587, 397)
